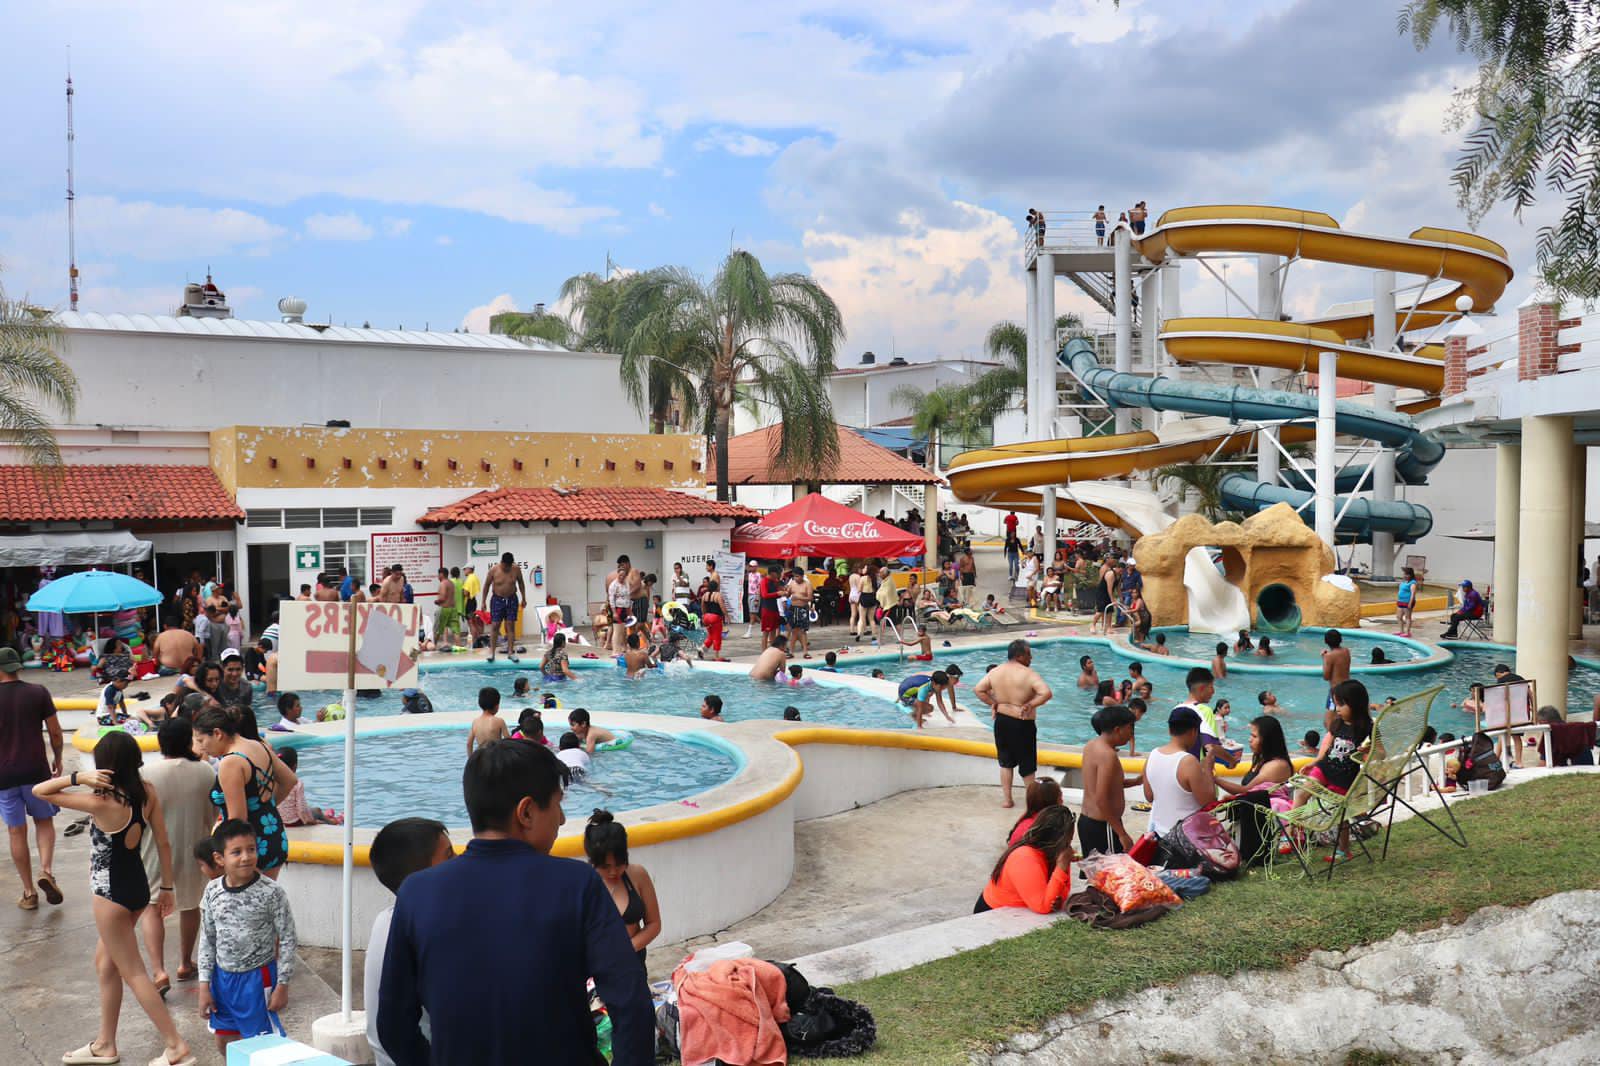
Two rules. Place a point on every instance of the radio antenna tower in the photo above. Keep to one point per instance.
(72, 221)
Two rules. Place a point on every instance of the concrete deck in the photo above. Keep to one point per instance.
(52, 1002)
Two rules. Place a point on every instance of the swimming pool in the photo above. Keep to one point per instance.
(602, 686)
(1065, 719)
(417, 772)
(1288, 649)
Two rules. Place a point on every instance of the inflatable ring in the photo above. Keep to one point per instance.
(259, 686)
(623, 742)
(553, 705)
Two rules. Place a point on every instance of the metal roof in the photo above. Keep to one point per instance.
(293, 331)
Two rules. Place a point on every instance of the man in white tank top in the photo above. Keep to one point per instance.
(1175, 782)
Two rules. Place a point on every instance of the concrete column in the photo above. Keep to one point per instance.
(1046, 310)
(1580, 477)
(1122, 291)
(1031, 326)
(1383, 340)
(1327, 397)
(1171, 307)
(930, 526)
(1507, 527)
(1545, 555)
(1269, 306)
(1149, 328)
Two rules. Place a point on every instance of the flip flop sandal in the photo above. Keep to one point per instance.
(164, 988)
(76, 827)
(187, 975)
(51, 890)
(162, 1060)
(29, 901)
(86, 1056)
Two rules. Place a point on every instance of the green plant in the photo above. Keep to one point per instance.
(33, 379)
(1534, 116)
(1202, 480)
(772, 336)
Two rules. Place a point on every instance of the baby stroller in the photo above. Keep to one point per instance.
(685, 635)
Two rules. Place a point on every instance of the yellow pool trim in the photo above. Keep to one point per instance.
(324, 853)
(76, 703)
(1384, 608)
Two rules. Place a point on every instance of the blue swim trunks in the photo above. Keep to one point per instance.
(502, 609)
(240, 1001)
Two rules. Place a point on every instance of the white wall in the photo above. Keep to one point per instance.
(209, 381)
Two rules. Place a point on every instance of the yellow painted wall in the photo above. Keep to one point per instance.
(298, 457)
(225, 459)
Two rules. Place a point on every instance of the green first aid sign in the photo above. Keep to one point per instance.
(307, 557)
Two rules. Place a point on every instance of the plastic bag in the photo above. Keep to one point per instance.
(1130, 885)
(702, 959)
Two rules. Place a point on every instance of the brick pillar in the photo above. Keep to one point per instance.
(1538, 338)
(1455, 365)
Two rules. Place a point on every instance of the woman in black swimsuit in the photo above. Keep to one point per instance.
(605, 842)
(250, 778)
(123, 808)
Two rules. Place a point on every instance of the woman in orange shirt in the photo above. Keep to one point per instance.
(1036, 871)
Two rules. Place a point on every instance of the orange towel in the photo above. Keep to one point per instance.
(731, 1012)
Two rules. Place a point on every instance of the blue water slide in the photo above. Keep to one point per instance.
(1415, 454)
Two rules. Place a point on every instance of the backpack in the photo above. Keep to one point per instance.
(1202, 841)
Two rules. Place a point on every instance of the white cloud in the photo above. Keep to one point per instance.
(396, 227)
(657, 211)
(926, 290)
(735, 142)
(477, 319)
(444, 239)
(344, 227)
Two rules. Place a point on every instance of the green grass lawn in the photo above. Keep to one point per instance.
(1527, 843)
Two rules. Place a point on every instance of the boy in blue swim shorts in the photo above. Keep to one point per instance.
(247, 942)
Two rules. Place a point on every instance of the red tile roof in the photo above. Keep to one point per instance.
(113, 493)
(860, 463)
(581, 505)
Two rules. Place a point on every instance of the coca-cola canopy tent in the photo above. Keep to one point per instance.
(816, 525)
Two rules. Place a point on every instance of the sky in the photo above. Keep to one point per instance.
(417, 164)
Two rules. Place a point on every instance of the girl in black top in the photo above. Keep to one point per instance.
(605, 842)
(1343, 749)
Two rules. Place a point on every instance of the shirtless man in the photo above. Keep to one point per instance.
(446, 621)
(326, 591)
(1100, 825)
(177, 650)
(1335, 669)
(502, 590)
(1014, 692)
(772, 660)
(393, 589)
(623, 586)
(800, 594)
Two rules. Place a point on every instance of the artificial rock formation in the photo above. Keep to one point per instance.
(1272, 548)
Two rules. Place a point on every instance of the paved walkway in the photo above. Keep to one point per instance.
(51, 1000)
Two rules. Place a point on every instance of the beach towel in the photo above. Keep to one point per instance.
(732, 1012)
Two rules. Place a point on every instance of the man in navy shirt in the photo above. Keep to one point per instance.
(497, 944)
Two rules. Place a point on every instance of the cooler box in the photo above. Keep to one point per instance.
(278, 1051)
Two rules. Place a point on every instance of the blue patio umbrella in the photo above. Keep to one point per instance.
(94, 592)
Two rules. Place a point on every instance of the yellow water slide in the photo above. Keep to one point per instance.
(1474, 266)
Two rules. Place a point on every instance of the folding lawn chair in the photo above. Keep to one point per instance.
(1392, 757)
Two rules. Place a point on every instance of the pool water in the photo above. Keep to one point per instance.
(606, 688)
(417, 773)
(1288, 649)
(1065, 719)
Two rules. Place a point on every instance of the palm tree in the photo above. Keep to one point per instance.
(773, 336)
(1007, 342)
(1202, 479)
(33, 377)
(940, 413)
(611, 314)
(535, 325)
